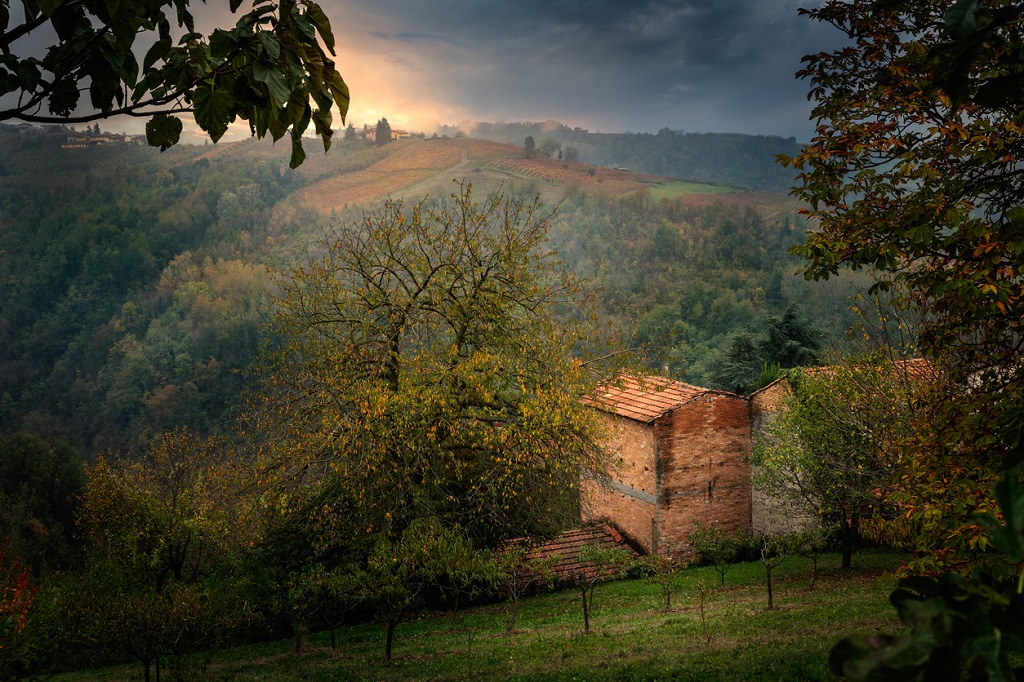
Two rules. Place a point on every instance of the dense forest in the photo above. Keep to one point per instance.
(134, 281)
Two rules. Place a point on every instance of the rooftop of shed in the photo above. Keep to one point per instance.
(646, 398)
(566, 549)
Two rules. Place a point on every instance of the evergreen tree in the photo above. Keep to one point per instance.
(529, 147)
(383, 132)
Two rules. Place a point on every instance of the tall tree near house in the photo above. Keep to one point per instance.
(830, 450)
(383, 133)
(266, 70)
(914, 173)
(433, 364)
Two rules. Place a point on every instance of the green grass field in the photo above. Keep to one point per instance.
(671, 190)
(633, 637)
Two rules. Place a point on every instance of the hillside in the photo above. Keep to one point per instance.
(746, 161)
(134, 283)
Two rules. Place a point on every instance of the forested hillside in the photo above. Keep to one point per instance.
(746, 161)
(134, 282)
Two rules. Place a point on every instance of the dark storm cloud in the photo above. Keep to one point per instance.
(620, 65)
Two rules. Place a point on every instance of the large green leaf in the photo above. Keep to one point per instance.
(270, 44)
(63, 97)
(213, 110)
(270, 75)
(298, 153)
(27, 72)
(157, 52)
(163, 131)
(316, 16)
(223, 43)
(48, 7)
(965, 17)
(339, 89)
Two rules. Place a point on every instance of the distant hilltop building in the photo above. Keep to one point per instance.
(83, 140)
(371, 135)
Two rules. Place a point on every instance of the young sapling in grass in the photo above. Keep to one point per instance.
(775, 547)
(596, 564)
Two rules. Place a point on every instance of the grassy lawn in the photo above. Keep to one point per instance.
(632, 636)
(670, 190)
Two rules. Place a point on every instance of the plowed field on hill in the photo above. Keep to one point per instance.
(407, 163)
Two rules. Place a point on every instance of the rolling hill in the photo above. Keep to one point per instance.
(134, 283)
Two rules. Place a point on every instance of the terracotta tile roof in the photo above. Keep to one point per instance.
(647, 398)
(570, 543)
(914, 369)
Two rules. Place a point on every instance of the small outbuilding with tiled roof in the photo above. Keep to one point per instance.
(683, 458)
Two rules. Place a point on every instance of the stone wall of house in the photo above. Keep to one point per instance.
(768, 400)
(704, 448)
(630, 501)
(771, 514)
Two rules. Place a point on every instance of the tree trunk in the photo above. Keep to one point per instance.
(771, 603)
(391, 637)
(586, 610)
(455, 611)
(850, 542)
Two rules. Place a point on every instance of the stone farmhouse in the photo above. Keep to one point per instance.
(683, 458)
(683, 455)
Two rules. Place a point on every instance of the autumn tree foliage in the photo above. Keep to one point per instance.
(914, 171)
(433, 362)
(265, 70)
(830, 454)
(159, 532)
(914, 174)
(17, 594)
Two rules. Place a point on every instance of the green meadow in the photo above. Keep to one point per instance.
(671, 190)
(633, 635)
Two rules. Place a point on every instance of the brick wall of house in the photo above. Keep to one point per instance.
(631, 516)
(629, 503)
(705, 468)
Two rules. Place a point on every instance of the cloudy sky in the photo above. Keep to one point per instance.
(603, 65)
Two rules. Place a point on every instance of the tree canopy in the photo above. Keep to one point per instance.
(914, 171)
(265, 70)
(433, 363)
